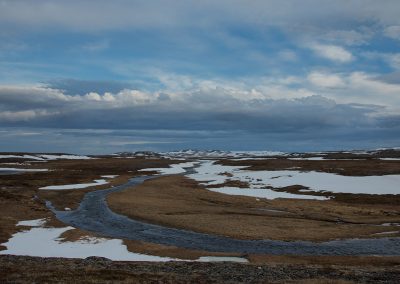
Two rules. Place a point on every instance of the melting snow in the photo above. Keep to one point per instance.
(172, 170)
(46, 242)
(222, 259)
(45, 157)
(75, 186)
(209, 173)
(110, 176)
(22, 170)
(32, 223)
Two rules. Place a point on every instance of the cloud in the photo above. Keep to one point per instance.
(326, 80)
(121, 14)
(392, 32)
(348, 37)
(24, 115)
(332, 52)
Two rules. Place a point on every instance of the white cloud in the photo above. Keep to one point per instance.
(332, 52)
(394, 60)
(348, 37)
(250, 95)
(392, 32)
(326, 80)
(24, 115)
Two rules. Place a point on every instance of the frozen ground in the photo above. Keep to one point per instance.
(209, 173)
(75, 186)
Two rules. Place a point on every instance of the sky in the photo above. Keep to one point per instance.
(107, 76)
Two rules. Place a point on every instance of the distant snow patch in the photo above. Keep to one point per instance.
(75, 186)
(172, 169)
(222, 259)
(46, 157)
(209, 173)
(32, 223)
(22, 170)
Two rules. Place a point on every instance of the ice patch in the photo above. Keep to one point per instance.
(75, 186)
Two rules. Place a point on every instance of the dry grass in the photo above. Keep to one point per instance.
(179, 202)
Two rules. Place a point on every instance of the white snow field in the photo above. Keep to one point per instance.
(209, 173)
(75, 186)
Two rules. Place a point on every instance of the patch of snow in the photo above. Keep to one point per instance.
(309, 159)
(22, 170)
(20, 157)
(172, 169)
(64, 157)
(390, 159)
(32, 223)
(219, 154)
(46, 157)
(263, 193)
(75, 186)
(46, 242)
(110, 176)
(387, 233)
(222, 259)
(209, 173)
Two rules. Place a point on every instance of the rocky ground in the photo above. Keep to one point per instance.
(20, 269)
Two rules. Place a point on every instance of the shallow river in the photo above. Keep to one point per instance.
(94, 215)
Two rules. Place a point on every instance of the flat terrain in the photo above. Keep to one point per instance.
(20, 269)
(179, 202)
(21, 199)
